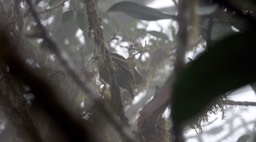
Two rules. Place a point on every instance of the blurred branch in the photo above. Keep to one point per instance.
(72, 126)
(160, 101)
(162, 96)
(238, 103)
(186, 14)
(152, 112)
(71, 69)
(184, 8)
(16, 112)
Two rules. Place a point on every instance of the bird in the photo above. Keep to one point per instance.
(126, 75)
(139, 11)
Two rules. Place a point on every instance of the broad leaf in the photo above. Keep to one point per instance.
(142, 12)
(226, 65)
(139, 11)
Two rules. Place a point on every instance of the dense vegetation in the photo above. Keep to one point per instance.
(96, 70)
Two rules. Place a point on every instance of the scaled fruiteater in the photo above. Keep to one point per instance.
(126, 75)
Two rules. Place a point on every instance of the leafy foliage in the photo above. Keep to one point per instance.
(223, 31)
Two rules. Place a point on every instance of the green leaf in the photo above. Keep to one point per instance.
(67, 16)
(142, 12)
(139, 11)
(226, 65)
